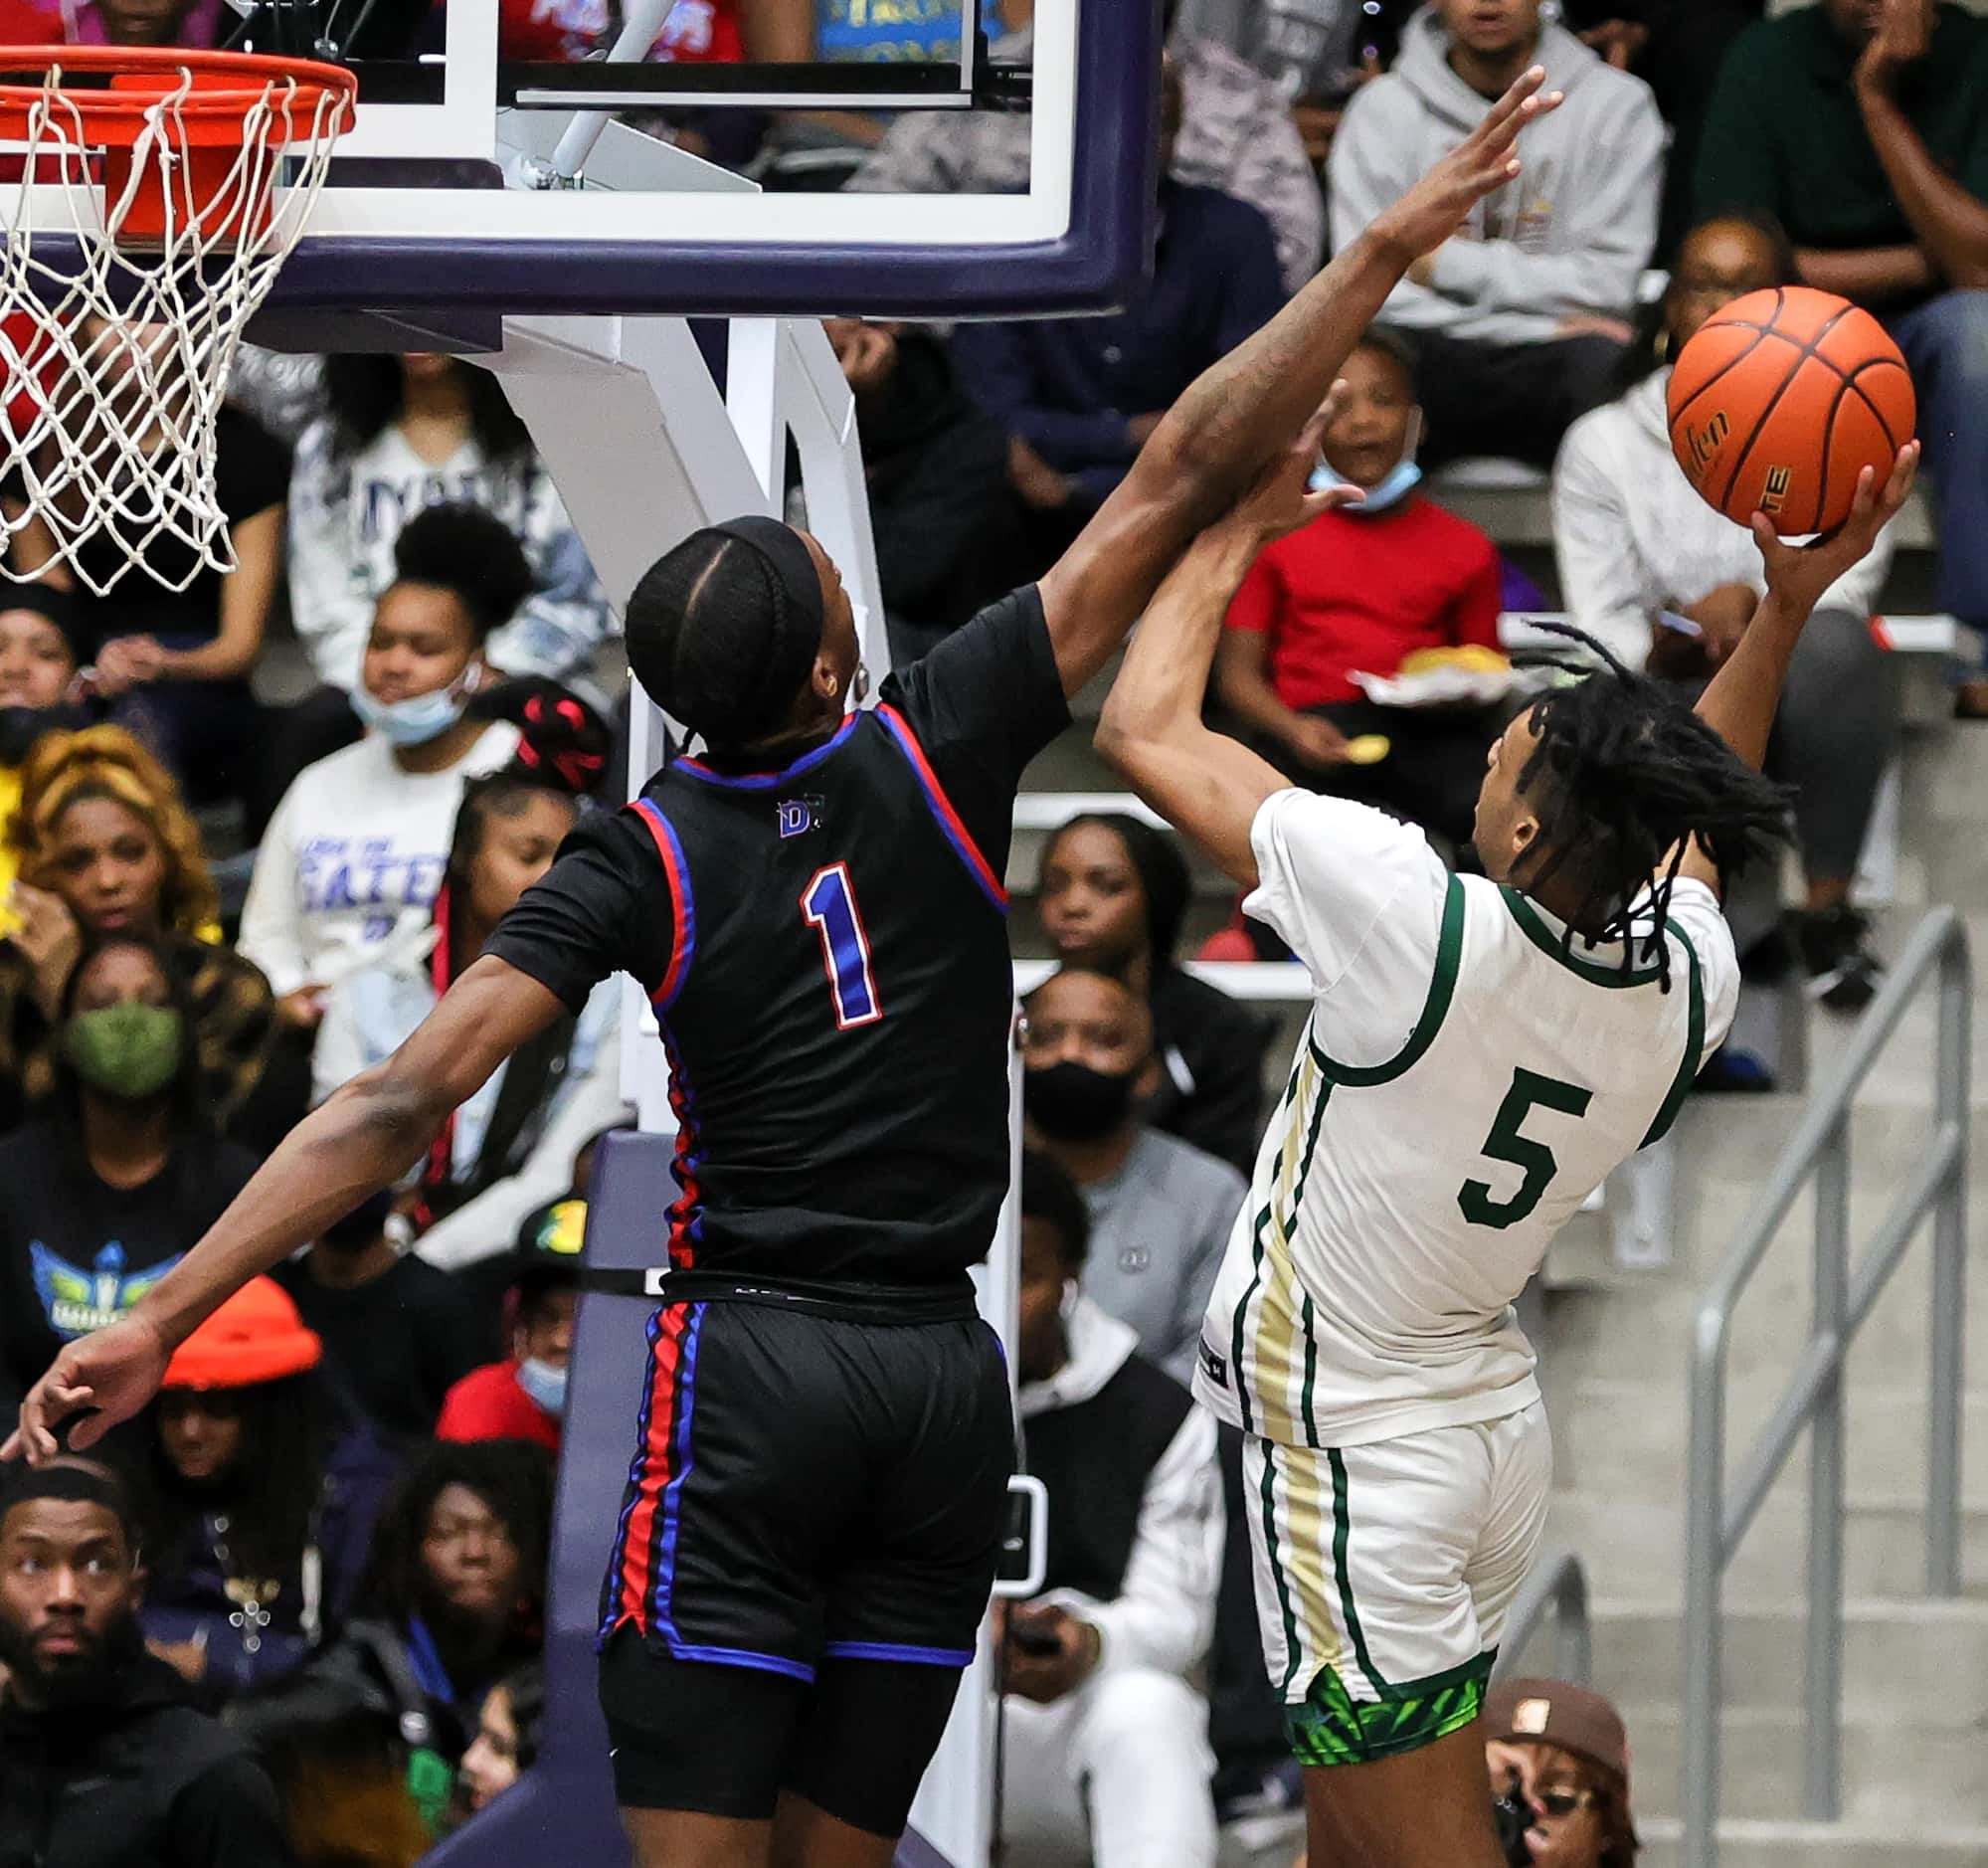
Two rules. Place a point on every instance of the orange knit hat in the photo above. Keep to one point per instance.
(256, 1336)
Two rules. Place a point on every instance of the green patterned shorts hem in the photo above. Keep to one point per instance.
(1332, 1728)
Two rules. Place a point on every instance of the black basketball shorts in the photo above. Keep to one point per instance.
(806, 1491)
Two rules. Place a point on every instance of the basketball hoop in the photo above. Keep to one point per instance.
(150, 197)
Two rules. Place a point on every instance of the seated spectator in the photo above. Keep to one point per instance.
(402, 434)
(1561, 1753)
(507, 1741)
(37, 669)
(102, 1194)
(104, 846)
(523, 1397)
(1517, 322)
(1078, 396)
(1236, 136)
(1644, 560)
(942, 511)
(1160, 1209)
(1113, 893)
(359, 844)
(260, 1507)
(1357, 591)
(172, 640)
(1858, 128)
(452, 1604)
(510, 1147)
(1107, 1751)
(101, 1760)
(397, 1334)
(146, 22)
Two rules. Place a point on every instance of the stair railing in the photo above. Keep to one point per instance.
(1844, 1298)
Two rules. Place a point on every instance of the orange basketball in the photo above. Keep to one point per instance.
(1780, 399)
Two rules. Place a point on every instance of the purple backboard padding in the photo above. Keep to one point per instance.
(563, 1809)
(1106, 250)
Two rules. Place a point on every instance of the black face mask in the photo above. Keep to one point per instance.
(1071, 1103)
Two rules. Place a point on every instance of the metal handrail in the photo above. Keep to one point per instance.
(1559, 1583)
(1715, 1521)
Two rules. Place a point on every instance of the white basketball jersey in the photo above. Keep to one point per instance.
(1463, 1082)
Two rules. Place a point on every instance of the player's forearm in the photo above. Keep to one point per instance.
(1245, 691)
(1951, 225)
(1740, 700)
(1238, 411)
(364, 1138)
(1163, 682)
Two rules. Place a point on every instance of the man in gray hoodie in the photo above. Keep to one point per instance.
(1518, 320)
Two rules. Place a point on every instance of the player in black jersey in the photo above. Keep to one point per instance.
(814, 904)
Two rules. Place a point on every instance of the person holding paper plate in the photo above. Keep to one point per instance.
(1361, 652)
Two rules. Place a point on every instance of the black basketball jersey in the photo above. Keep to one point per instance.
(826, 950)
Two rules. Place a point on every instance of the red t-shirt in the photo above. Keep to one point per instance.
(1347, 593)
(489, 1405)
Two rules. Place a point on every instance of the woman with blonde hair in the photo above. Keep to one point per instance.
(106, 844)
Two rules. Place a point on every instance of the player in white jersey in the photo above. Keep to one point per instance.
(1482, 1052)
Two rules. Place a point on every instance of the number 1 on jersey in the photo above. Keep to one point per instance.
(829, 904)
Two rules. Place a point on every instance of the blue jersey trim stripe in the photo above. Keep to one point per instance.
(744, 1657)
(672, 1493)
(764, 780)
(941, 807)
(893, 1650)
(683, 907)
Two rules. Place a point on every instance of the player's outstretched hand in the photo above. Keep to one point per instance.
(1799, 574)
(1435, 206)
(1282, 499)
(106, 1376)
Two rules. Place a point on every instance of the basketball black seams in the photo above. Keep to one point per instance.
(1806, 351)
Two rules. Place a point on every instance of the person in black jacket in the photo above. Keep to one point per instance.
(1114, 892)
(102, 1763)
(946, 521)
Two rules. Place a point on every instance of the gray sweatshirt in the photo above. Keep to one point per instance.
(1566, 238)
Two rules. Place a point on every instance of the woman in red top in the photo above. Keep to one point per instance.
(1357, 591)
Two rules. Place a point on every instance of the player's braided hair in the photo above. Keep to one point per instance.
(1623, 776)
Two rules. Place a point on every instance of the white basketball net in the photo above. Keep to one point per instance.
(114, 363)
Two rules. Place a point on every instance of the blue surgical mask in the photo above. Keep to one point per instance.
(544, 1384)
(419, 718)
(1401, 480)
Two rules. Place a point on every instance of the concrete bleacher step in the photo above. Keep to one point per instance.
(1896, 1842)
(1905, 1661)
(1761, 1775)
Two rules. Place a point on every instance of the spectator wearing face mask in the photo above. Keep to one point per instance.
(101, 1196)
(1560, 1753)
(1107, 1748)
(397, 1334)
(104, 1764)
(1356, 592)
(1112, 895)
(452, 1603)
(510, 1147)
(105, 845)
(360, 843)
(1160, 1209)
(260, 1506)
(523, 1397)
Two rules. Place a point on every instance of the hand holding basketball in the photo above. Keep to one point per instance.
(1431, 211)
(1799, 574)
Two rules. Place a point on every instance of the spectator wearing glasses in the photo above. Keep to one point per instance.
(1559, 1753)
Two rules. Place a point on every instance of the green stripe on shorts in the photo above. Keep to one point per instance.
(1332, 1728)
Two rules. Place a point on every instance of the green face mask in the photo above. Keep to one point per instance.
(129, 1052)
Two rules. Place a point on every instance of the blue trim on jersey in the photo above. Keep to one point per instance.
(672, 1493)
(764, 780)
(686, 1214)
(684, 905)
(941, 807)
(611, 1589)
(893, 1650)
(744, 1657)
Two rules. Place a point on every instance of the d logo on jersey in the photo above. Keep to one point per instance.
(797, 816)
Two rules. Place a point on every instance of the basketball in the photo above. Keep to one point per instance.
(1780, 399)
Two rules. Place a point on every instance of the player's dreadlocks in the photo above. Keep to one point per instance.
(1624, 775)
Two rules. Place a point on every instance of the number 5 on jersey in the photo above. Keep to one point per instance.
(829, 904)
(1533, 1159)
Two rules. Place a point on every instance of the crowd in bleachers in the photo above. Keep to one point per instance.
(222, 906)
